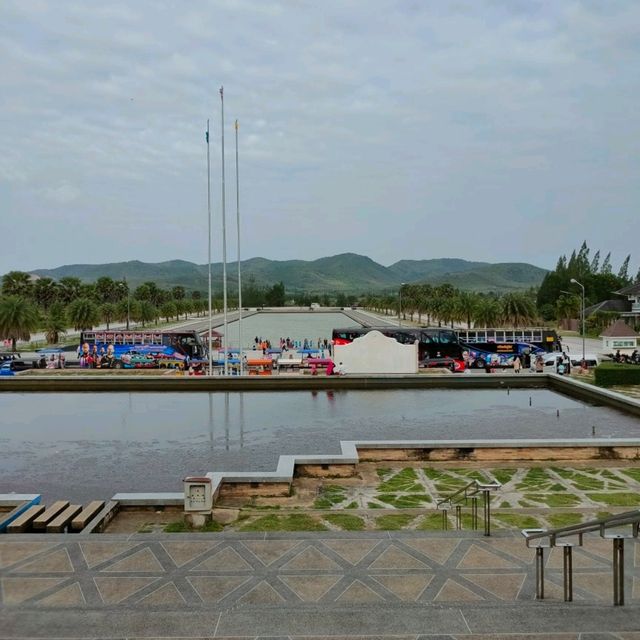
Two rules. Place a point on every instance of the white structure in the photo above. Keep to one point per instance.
(619, 337)
(375, 353)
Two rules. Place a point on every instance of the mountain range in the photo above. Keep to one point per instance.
(346, 272)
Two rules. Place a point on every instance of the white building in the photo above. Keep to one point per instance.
(619, 337)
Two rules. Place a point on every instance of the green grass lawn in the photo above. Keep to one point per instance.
(291, 522)
(345, 521)
(394, 522)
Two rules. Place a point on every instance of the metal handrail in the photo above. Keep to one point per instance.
(601, 524)
(465, 495)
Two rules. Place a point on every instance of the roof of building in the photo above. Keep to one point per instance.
(619, 329)
(608, 305)
(631, 290)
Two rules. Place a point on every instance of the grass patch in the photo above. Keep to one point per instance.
(405, 480)
(345, 521)
(504, 505)
(633, 473)
(394, 522)
(474, 474)
(291, 522)
(264, 507)
(536, 478)
(383, 472)
(330, 495)
(586, 483)
(616, 499)
(375, 505)
(352, 505)
(404, 502)
(517, 521)
(182, 527)
(564, 519)
(503, 475)
(432, 522)
(555, 499)
(435, 474)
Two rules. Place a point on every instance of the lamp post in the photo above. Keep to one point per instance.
(400, 305)
(574, 281)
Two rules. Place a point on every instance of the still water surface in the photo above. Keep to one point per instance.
(82, 446)
(297, 326)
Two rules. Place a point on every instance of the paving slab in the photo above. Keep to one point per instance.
(293, 585)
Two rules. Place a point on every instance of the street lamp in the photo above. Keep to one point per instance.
(574, 281)
(400, 305)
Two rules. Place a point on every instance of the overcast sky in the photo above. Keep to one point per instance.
(488, 130)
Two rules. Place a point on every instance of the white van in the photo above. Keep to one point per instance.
(576, 359)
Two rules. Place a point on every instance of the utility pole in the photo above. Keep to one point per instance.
(239, 268)
(225, 339)
(210, 354)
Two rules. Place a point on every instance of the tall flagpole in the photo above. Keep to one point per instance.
(209, 265)
(239, 272)
(225, 343)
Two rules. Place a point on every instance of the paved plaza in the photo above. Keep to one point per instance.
(401, 585)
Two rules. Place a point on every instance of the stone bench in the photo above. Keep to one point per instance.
(40, 523)
(86, 515)
(62, 520)
(23, 523)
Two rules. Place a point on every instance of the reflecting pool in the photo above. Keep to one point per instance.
(92, 445)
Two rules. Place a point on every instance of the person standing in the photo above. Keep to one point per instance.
(517, 365)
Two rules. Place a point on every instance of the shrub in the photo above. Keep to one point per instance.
(609, 374)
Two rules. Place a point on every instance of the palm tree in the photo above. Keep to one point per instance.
(487, 312)
(467, 303)
(146, 312)
(168, 310)
(16, 283)
(83, 314)
(18, 319)
(517, 310)
(45, 292)
(55, 323)
(567, 306)
(108, 312)
(69, 288)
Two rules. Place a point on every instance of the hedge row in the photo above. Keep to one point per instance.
(609, 374)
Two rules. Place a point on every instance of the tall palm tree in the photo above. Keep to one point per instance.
(70, 288)
(45, 292)
(518, 309)
(108, 312)
(467, 304)
(18, 319)
(55, 323)
(146, 312)
(487, 312)
(17, 283)
(83, 314)
(568, 306)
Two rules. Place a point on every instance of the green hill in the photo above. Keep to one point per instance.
(346, 272)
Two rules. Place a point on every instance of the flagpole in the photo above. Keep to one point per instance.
(239, 271)
(209, 252)
(225, 342)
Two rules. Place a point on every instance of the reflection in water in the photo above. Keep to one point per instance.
(150, 441)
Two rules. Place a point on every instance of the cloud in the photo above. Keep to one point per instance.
(484, 130)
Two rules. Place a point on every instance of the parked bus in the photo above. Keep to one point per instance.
(178, 345)
(500, 347)
(545, 339)
(437, 347)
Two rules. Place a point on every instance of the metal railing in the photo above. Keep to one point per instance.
(464, 494)
(550, 538)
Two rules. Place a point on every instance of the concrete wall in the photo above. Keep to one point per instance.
(375, 353)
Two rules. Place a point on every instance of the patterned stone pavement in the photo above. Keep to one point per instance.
(450, 584)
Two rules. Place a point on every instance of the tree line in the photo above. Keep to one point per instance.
(444, 304)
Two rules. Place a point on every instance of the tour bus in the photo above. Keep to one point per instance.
(178, 345)
(545, 339)
(437, 347)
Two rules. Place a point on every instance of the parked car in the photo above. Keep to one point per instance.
(575, 358)
(134, 360)
(15, 365)
(456, 366)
